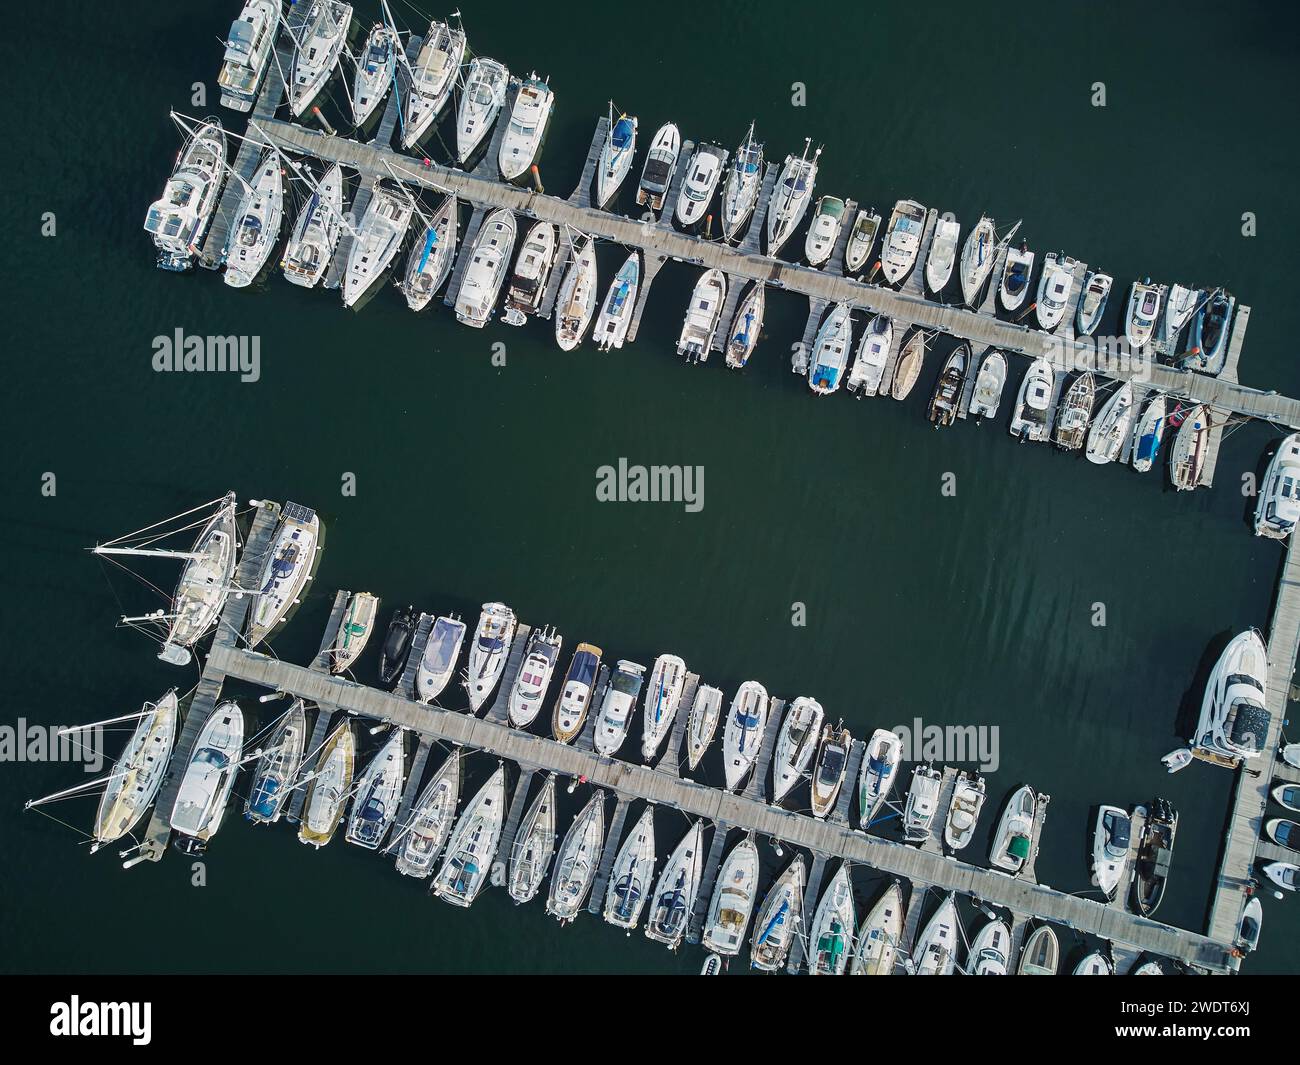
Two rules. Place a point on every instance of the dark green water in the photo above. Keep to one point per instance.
(476, 482)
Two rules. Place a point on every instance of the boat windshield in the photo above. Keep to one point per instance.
(443, 645)
(627, 683)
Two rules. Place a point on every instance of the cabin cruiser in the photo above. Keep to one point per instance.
(1094, 964)
(532, 271)
(480, 103)
(318, 51)
(922, 804)
(746, 722)
(433, 256)
(1180, 305)
(790, 198)
(1285, 875)
(286, 571)
(880, 762)
(438, 662)
(935, 953)
(1076, 412)
(378, 793)
(1143, 312)
(1154, 855)
(873, 353)
(830, 939)
(662, 699)
(138, 772)
(1029, 419)
(315, 234)
(742, 186)
(179, 218)
(1252, 915)
(831, 351)
(675, 891)
(733, 900)
(879, 936)
(943, 254)
(964, 812)
(473, 844)
(529, 691)
(746, 326)
(702, 723)
(796, 744)
(1278, 505)
(989, 950)
(534, 845)
(527, 129)
(257, 225)
(946, 401)
(575, 697)
(328, 787)
(631, 876)
(432, 78)
(908, 367)
(1110, 847)
(487, 654)
(1013, 843)
(779, 920)
(977, 257)
(1283, 832)
(489, 260)
(376, 242)
(208, 778)
(1041, 955)
(615, 156)
(577, 298)
(702, 174)
(660, 163)
(1054, 289)
(1016, 272)
(1148, 433)
(396, 646)
(989, 383)
(420, 840)
(1287, 795)
(1191, 445)
(827, 222)
(1112, 426)
(576, 861)
(1096, 293)
(702, 316)
(616, 312)
(902, 240)
(829, 769)
(248, 49)
(620, 700)
(278, 767)
(1210, 331)
(862, 239)
(375, 70)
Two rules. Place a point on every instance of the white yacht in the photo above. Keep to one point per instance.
(1112, 426)
(935, 953)
(138, 772)
(829, 768)
(438, 662)
(1029, 418)
(830, 938)
(964, 811)
(420, 840)
(1096, 293)
(746, 326)
(873, 353)
(209, 777)
(977, 257)
(675, 890)
(1278, 505)
(287, 570)
(319, 46)
(616, 311)
(742, 186)
(631, 876)
(532, 271)
(433, 77)
(615, 156)
(733, 900)
(315, 234)
(1144, 303)
(248, 49)
(830, 354)
(488, 652)
(989, 383)
(779, 919)
(529, 691)
(1180, 304)
(527, 129)
(179, 218)
(1149, 433)
(576, 302)
(328, 787)
(480, 103)
(796, 744)
(879, 936)
(378, 793)
(943, 254)
(880, 762)
(922, 804)
(902, 242)
(576, 861)
(619, 702)
(790, 198)
(1013, 843)
(702, 316)
(1110, 849)
(257, 224)
(1234, 716)
(827, 222)
(706, 711)
(375, 69)
(473, 844)
(1191, 446)
(990, 950)
(376, 242)
(1285, 875)
(277, 768)
(702, 174)
(1054, 289)
(663, 696)
(660, 163)
(488, 263)
(574, 703)
(746, 722)
(534, 845)
(1016, 272)
(1041, 955)
(432, 256)
(862, 240)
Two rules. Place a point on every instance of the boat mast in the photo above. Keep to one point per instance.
(302, 173)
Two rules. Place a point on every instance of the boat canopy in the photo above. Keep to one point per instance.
(1019, 847)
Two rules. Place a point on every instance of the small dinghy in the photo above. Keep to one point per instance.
(1075, 412)
(873, 354)
(935, 953)
(862, 239)
(1110, 849)
(706, 710)
(420, 840)
(908, 368)
(831, 351)
(702, 316)
(438, 662)
(796, 744)
(733, 900)
(1016, 272)
(432, 256)
(964, 813)
(712, 966)
(977, 258)
(378, 792)
(879, 936)
(631, 876)
(827, 222)
(257, 225)
(576, 861)
(662, 699)
(1094, 964)
(575, 698)
(616, 311)
(354, 630)
(615, 156)
(1029, 419)
(829, 768)
(1191, 444)
(1179, 759)
(480, 103)
(989, 383)
(577, 299)
(374, 73)
(1149, 433)
(1252, 921)
(1112, 426)
(746, 326)
(540, 657)
(830, 939)
(989, 950)
(943, 254)
(946, 400)
(675, 891)
(1054, 289)
(1092, 305)
(661, 161)
(779, 920)
(487, 654)
(1013, 841)
(328, 787)
(1042, 953)
(532, 271)
(746, 723)
(396, 646)
(1285, 875)
(1144, 302)
(278, 767)
(880, 762)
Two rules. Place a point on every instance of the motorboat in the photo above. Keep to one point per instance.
(1041, 955)
(989, 383)
(616, 709)
(328, 787)
(1252, 920)
(830, 939)
(480, 104)
(576, 861)
(488, 652)
(1076, 412)
(396, 645)
(534, 845)
(319, 46)
(438, 661)
(746, 723)
(1016, 274)
(706, 710)
(943, 254)
(532, 271)
(1191, 446)
(1110, 849)
(527, 128)
(1029, 418)
(946, 401)
(779, 919)
(703, 314)
(660, 163)
(862, 239)
(977, 258)
(1210, 331)
(179, 218)
(662, 698)
(1285, 875)
(575, 697)
(1149, 432)
(377, 241)
(1013, 842)
(1287, 795)
(1144, 303)
(138, 772)
(1278, 505)
(1180, 304)
(908, 367)
(378, 793)
(616, 311)
(1054, 289)
(990, 950)
(827, 222)
(374, 74)
(433, 256)
(287, 570)
(315, 234)
(872, 355)
(902, 243)
(1290, 754)
(712, 965)
(1092, 305)
(741, 186)
(248, 51)
(746, 326)
(880, 935)
(675, 891)
(529, 690)
(796, 744)
(432, 78)
(964, 811)
(880, 762)
(419, 842)
(922, 804)
(1179, 758)
(1094, 964)
(1155, 853)
(277, 769)
(489, 260)
(733, 900)
(1112, 426)
(790, 198)
(1283, 832)
(830, 353)
(935, 953)
(208, 778)
(702, 175)
(576, 302)
(615, 156)
(632, 874)
(473, 844)
(829, 769)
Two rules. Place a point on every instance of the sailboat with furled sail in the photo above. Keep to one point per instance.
(746, 326)
(473, 844)
(377, 241)
(706, 711)
(616, 312)
(630, 879)
(179, 218)
(675, 892)
(419, 842)
(378, 792)
(286, 571)
(779, 920)
(534, 844)
(790, 200)
(577, 299)
(317, 52)
(315, 234)
(575, 863)
(432, 77)
(741, 186)
(277, 769)
(432, 256)
(661, 699)
(328, 787)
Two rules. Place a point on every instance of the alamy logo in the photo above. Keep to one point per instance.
(22, 742)
(134, 1019)
(181, 353)
(950, 743)
(651, 484)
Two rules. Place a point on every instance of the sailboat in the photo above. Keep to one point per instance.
(674, 893)
(438, 662)
(419, 842)
(873, 353)
(577, 299)
(741, 187)
(1191, 446)
(733, 900)
(318, 51)
(328, 787)
(935, 953)
(277, 769)
(616, 312)
(746, 723)
(257, 225)
(315, 234)
(532, 271)
(529, 690)
(375, 70)
(630, 878)
(489, 260)
(473, 844)
(1076, 412)
(248, 50)
(746, 326)
(480, 103)
(830, 939)
(880, 762)
(179, 218)
(527, 128)
(829, 768)
(779, 919)
(534, 845)
(660, 162)
(977, 258)
(377, 241)
(487, 654)
(616, 709)
(576, 861)
(378, 792)
(706, 710)
(908, 367)
(791, 197)
(796, 744)
(662, 697)
(287, 569)
(615, 156)
(1112, 426)
(990, 950)
(432, 77)
(879, 936)
(1180, 304)
(208, 778)
(1149, 432)
(432, 256)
